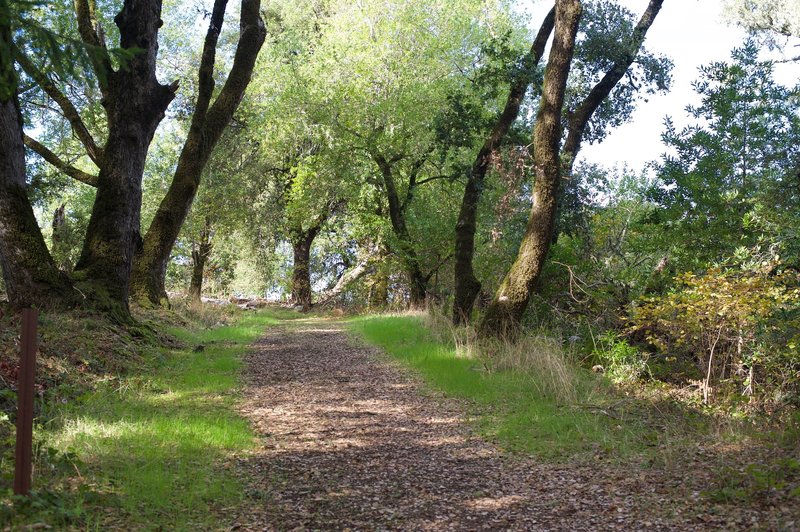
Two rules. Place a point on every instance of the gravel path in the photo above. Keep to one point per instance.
(349, 442)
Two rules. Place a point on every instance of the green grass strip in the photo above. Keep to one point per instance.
(509, 410)
(155, 445)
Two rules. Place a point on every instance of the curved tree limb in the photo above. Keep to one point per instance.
(93, 38)
(67, 108)
(581, 116)
(55, 160)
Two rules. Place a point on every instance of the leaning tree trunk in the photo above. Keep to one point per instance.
(30, 274)
(135, 104)
(301, 273)
(418, 283)
(504, 313)
(580, 116)
(467, 286)
(208, 124)
(350, 276)
(200, 255)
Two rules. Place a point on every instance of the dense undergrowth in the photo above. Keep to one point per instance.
(134, 428)
(536, 396)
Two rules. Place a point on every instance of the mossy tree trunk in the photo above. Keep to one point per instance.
(379, 291)
(302, 240)
(208, 124)
(580, 116)
(467, 286)
(135, 104)
(200, 255)
(504, 313)
(29, 271)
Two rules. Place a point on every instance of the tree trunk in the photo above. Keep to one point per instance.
(350, 276)
(135, 103)
(30, 274)
(301, 274)
(208, 124)
(418, 283)
(200, 255)
(379, 291)
(29, 271)
(504, 313)
(467, 286)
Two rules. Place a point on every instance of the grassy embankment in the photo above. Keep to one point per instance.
(149, 448)
(514, 408)
(535, 398)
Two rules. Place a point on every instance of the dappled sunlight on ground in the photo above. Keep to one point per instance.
(347, 441)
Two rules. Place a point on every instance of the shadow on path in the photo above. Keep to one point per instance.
(349, 442)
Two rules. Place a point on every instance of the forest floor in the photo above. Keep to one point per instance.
(348, 439)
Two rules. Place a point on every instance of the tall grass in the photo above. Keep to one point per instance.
(540, 358)
(525, 397)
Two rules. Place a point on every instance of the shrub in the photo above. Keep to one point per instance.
(620, 360)
(734, 325)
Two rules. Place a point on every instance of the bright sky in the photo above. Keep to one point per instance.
(692, 33)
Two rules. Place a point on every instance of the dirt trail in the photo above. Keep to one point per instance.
(349, 442)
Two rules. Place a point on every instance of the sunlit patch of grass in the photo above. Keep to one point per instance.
(513, 407)
(153, 448)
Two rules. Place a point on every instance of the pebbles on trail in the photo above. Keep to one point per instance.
(349, 441)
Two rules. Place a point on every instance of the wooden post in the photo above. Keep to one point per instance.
(25, 385)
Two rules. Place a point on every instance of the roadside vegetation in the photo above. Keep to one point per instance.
(147, 440)
(539, 396)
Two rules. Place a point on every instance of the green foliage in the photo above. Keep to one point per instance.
(35, 35)
(757, 482)
(775, 18)
(732, 166)
(621, 361)
(733, 324)
(606, 255)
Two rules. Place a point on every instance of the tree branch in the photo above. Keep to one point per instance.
(205, 73)
(63, 167)
(251, 38)
(88, 29)
(70, 112)
(581, 116)
(438, 266)
(434, 178)
(416, 166)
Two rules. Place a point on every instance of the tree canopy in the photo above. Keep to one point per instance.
(380, 154)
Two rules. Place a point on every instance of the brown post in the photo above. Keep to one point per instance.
(25, 384)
